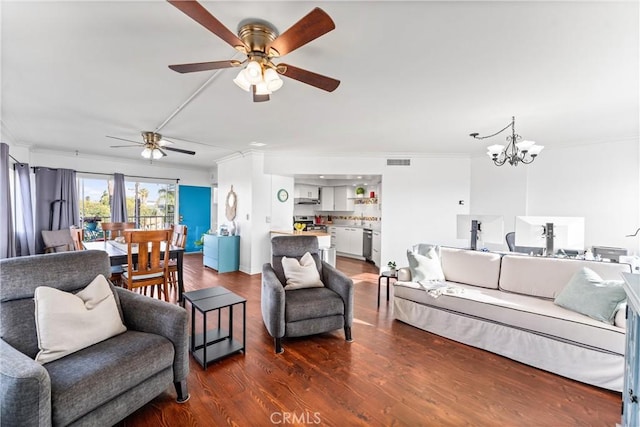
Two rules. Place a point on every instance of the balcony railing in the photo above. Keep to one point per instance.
(92, 230)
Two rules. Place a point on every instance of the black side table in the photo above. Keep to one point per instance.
(215, 344)
(386, 275)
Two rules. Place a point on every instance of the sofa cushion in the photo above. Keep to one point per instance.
(546, 277)
(301, 274)
(104, 371)
(588, 294)
(536, 315)
(425, 267)
(471, 267)
(59, 313)
(312, 303)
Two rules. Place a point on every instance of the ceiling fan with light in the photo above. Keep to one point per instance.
(154, 145)
(262, 44)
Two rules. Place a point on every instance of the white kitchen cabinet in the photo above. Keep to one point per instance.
(343, 198)
(332, 232)
(375, 248)
(305, 191)
(326, 198)
(356, 237)
(349, 240)
(342, 240)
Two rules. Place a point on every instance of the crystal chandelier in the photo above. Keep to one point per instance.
(516, 151)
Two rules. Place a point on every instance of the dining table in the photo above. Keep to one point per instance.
(118, 256)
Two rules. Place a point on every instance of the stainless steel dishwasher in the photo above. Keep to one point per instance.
(366, 244)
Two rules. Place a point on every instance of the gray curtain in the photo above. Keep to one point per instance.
(7, 245)
(56, 202)
(119, 199)
(25, 241)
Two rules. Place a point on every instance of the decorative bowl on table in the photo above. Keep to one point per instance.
(299, 227)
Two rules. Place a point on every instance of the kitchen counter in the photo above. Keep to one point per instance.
(368, 227)
(324, 239)
(301, 233)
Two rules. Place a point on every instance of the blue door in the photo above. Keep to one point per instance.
(195, 213)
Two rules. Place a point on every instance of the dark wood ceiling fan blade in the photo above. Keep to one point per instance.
(123, 139)
(178, 150)
(198, 13)
(315, 24)
(202, 66)
(318, 80)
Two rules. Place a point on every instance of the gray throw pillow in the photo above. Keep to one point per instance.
(588, 294)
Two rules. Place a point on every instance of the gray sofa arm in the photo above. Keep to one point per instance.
(272, 302)
(25, 389)
(338, 282)
(145, 314)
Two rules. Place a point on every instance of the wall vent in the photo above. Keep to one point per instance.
(398, 162)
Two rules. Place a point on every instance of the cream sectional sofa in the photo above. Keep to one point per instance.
(504, 304)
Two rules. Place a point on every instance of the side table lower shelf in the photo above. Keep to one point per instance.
(214, 344)
(219, 345)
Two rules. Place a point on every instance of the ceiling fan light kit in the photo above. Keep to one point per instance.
(516, 151)
(261, 43)
(153, 145)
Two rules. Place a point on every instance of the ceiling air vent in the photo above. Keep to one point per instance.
(398, 162)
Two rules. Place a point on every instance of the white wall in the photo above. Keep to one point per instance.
(281, 214)
(600, 182)
(499, 191)
(420, 204)
(258, 210)
(237, 173)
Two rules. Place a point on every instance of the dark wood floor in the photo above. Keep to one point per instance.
(391, 375)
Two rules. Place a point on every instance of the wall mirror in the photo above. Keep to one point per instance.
(232, 201)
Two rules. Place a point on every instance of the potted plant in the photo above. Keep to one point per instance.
(392, 266)
(359, 192)
(91, 222)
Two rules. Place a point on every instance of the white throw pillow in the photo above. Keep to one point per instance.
(301, 274)
(425, 267)
(66, 323)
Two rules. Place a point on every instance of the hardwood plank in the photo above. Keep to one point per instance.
(391, 375)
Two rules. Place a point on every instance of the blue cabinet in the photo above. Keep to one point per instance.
(222, 253)
(631, 390)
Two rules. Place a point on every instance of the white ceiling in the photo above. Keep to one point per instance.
(417, 77)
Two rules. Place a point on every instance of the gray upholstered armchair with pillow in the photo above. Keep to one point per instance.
(97, 385)
(292, 307)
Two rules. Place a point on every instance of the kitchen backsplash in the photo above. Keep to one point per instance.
(366, 212)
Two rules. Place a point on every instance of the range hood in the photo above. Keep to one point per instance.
(306, 201)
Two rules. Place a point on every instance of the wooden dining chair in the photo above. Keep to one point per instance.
(152, 267)
(112, 230)
(179, 239)
(77, 235)
(57, 240)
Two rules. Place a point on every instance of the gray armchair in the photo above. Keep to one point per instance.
(309, 311)
(98, 385)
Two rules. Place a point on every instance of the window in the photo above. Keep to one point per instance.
(151, 205)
